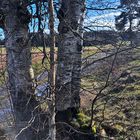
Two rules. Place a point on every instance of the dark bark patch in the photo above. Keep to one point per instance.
(23, 15)
(79, 47)
(20, 40)
(62, 28)
(74, 25)
(66, 115)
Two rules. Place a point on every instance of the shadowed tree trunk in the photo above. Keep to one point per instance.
(69, 59)
(18, 48)
(52, 127)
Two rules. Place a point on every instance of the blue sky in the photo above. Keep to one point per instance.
(1, 34)
(94, 18)
(102, 18)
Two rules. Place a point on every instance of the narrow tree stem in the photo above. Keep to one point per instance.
(52, 127)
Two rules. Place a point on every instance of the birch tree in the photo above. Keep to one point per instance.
(69, 59)
(16, 20)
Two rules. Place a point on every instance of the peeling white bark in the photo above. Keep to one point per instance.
(19, 67)
(71, 16)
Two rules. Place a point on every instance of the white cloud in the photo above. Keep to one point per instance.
(102, 23)
(108, 15)
(104, 20)
(46, 31)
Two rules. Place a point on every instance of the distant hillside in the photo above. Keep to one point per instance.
(101, 37)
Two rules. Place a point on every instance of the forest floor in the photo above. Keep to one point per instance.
(110, 74)
(114, 81)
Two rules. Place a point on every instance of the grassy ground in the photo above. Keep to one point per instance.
(117, 108)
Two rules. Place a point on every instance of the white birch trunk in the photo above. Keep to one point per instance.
(52, 127)
(19, 64)
(69, 54)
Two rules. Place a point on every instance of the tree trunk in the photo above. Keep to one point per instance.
(52, 127)
(19, 65)
(69, 59)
